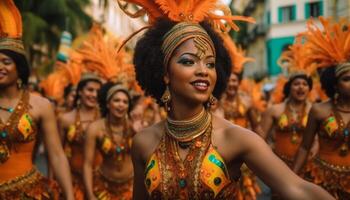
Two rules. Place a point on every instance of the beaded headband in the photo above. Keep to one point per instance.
(114, 89)
(182, 32)
(342, 68)
(12, 44)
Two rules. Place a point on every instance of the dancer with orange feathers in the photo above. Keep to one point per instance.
(111, 135)
(328, 49)
(181, 62)
(22, 117)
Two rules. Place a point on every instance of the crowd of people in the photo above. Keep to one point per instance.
(174, 118)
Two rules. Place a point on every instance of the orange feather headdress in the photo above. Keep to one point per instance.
(99, 55)
(329, 46)
(294, 60)
(10, 27)
(186, 10)
(237, 54)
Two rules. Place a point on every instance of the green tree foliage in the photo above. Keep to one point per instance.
(44, 21)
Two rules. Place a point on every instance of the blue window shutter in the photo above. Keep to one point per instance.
(268, 17)
(280, 14)
(321, 8)
(294, 13)
(307, 11)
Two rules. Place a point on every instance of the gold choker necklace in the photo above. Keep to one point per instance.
(187, 130)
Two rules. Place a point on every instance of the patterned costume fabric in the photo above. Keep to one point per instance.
(205, 177)
(18, 177)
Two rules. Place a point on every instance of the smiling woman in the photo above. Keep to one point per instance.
(21, 116)
(192, 154)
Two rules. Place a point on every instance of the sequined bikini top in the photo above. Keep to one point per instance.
(287, 123)
(19, 128)
(202, 175)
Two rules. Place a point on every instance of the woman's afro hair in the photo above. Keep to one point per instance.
(148, 60)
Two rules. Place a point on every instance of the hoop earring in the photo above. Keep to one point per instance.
(211, 101)
(166, 97)
(19, 83)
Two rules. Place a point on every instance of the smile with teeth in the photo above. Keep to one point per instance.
(199, 85)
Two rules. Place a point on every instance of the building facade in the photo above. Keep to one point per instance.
(278, 22)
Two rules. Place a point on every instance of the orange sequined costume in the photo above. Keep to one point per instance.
(106, 188)
(331, 167)
(19, 179)
(202, 175)
(288, 134)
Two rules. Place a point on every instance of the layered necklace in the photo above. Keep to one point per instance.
(344, 129)
(195, 135)
(185, 131)
(295, 118)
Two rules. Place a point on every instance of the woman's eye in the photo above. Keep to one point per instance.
(211, 65)
(187, 62)
(7, 61)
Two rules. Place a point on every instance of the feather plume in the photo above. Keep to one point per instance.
(328, 45)
(10, 20)
(237, 54)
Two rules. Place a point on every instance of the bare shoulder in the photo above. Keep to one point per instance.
(66, 119)
(234, 139)
(96, 127)
(321, 110)
(276, 109)
(40, 107)
(146, 141)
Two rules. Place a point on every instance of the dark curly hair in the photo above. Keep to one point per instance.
(82, 83)
(22, 65)
(328, 81)
(148, 60)
(102, 97)
(288, 85)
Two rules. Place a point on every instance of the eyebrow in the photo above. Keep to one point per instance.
(195, 55)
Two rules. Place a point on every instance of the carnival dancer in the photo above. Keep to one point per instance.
(287, 118)
(111, 136)
(194, 154)
(329, 51)
(23, 115)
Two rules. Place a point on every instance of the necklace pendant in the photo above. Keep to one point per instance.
(294, 138)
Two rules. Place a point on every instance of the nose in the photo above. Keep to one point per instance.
(202, 70)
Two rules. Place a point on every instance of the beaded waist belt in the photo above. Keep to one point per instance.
(337, 168)
(31, 177)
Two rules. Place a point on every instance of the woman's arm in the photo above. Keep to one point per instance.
(308, 139)
(57, 158)
(263, 162)
(139, 189)
(266, 123)
(89, 152)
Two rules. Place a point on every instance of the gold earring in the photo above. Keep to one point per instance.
(211, 101)
(166, 97)
(19, 83)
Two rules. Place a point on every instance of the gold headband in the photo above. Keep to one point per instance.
(342, 68)
(114, 89)
(182, 32)
(12, 44)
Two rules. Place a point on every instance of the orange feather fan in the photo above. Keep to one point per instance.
(186, 10)
(328, 46)
(237, 54)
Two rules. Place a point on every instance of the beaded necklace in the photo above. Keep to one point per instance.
(185, 131)
(118, 150)
(344, 129)
(295, 119)
(9, 128)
